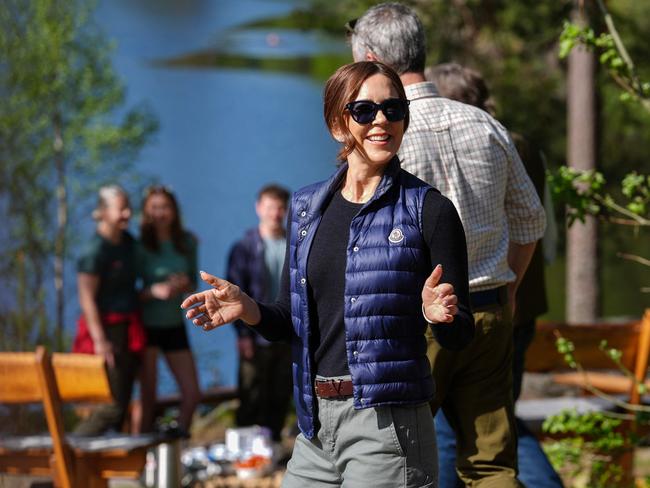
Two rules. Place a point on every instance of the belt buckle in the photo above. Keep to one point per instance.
(338, 386)
(332, 388)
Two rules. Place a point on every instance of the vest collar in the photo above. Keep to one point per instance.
(330, 187)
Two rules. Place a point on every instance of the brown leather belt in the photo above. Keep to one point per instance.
(333, 388)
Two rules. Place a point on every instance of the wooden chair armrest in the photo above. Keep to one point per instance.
(607, 382)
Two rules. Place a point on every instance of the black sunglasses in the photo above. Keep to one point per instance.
(364, 111)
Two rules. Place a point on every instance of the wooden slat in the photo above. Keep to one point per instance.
(63, 467)
(613, 383)
(81, 378)
(641, 367)
(19, 378)
(19, 463)
(110, 465)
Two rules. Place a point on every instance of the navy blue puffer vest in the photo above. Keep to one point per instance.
(387, 264)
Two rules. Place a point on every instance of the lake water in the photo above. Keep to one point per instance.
(223, 132)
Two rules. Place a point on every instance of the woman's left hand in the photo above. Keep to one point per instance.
(438, 300)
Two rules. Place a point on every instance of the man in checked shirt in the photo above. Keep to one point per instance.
(470, 158)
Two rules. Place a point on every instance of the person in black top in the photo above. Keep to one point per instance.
(357, 294)
(110, 324)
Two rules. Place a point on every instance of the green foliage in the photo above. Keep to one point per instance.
(576, 189)
(591, 442)
(566, 348)
(636, 188)
(612, 56)
(589, 446)
(577, 462)
(595, 424)
(60, 101)
(583, 193)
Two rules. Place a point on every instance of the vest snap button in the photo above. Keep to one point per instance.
(353, 299)
(303, 233)
(355, 353)
(303, 213)
(303, 281)
(355, 248)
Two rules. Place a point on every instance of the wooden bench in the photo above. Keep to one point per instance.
(72, 461)
(631, 338)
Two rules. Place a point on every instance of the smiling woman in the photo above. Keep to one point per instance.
(378, 114)
(362, 282)
(372, 127)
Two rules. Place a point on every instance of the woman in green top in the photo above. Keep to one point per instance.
(167, 266)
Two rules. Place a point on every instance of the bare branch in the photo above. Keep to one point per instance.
(614, 206)
(614, 33)
(632, 257)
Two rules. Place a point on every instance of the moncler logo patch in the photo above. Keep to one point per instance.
(396, 236)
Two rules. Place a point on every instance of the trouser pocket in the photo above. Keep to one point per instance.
(413, 436)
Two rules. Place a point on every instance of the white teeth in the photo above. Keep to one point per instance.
(379, 138)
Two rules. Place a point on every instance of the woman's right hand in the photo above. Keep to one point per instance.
(105, 349)
(222, 304)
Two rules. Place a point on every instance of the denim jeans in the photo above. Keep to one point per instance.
(535, 471)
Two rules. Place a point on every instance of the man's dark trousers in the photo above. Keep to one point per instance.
(265, 386)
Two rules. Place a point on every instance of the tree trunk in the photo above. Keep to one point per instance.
(61, 224)
(582, 281)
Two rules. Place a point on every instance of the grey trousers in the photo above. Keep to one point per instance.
(381, 447)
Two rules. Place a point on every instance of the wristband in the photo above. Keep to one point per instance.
(425, 317)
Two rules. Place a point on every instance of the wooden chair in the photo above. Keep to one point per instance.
(22, 380)
(71, 461)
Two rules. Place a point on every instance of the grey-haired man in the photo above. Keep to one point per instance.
(471, 159)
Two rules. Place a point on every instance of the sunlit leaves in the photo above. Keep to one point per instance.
(582, 192)
(592, 442)
(611, 56)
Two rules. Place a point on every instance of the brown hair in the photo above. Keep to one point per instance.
(274, 191)
(147, 230)
(342, 87)
(462, 84)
